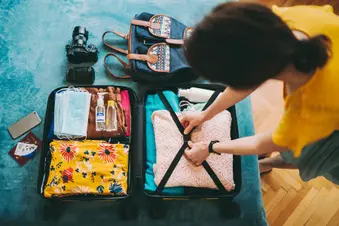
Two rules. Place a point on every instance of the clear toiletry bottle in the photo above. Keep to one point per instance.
(111, 117)
(100, 124)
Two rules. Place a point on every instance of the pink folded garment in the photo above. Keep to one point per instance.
(169, 140)
(126, 105)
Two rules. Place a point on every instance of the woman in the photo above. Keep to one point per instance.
(245, 44)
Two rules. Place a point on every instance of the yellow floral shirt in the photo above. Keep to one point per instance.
(312, 111)
(87, 167)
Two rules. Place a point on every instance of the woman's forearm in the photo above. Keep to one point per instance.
(227, 99)
(253, 145)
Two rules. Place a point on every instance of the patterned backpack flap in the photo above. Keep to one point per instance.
(164, 30)
(161, 27)
(155, 50)
(162, 52)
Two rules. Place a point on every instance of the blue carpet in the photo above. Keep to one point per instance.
(33, 62)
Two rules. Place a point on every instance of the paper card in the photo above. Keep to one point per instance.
(31, 139)
(24, 149)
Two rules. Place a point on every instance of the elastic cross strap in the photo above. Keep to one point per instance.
(185, 145)
(171, 111)
(171, 168)
(205, 163)
(182, 149)
(211, 100)
(214, 177)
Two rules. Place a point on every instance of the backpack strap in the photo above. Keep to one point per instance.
(120, 50)
(145, 24)
(174, 41)
(156, 26)
(123, 63)
(143, 57)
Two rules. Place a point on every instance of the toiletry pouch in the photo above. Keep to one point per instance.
(155, 50)
(111, 94)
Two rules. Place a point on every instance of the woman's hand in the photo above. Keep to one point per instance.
(198, 152)
(225, 100)
(191, 120)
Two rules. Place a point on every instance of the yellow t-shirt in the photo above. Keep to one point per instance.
(312, 111)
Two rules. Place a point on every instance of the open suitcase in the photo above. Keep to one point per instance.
(157, 199)
(55, 204)
(137, 163)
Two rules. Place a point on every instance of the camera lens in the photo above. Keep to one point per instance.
(80, 35)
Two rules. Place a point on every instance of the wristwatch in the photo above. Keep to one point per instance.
(210, 147)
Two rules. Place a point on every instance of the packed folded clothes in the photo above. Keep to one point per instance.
(109, 94)
(169, 140)
(187, 106)
(87, 167)
(153, 103)
(77, 118)
(126, 105)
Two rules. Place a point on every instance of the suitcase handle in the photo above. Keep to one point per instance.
(138, 141)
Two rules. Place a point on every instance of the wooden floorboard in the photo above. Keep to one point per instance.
(334, 220)
(298, 211)
(287, 199)
(273, 215)
(279, 195)
(312, 207)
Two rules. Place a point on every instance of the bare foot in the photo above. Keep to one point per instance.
(265, 166)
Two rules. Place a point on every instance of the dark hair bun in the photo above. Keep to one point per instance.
(312, 53)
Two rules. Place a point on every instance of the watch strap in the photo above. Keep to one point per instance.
(210, 147)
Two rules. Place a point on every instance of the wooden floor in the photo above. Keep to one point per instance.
(287, 199)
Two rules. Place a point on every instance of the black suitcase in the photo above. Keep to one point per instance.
(54, 205)
(137, 161)
(157, 207)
